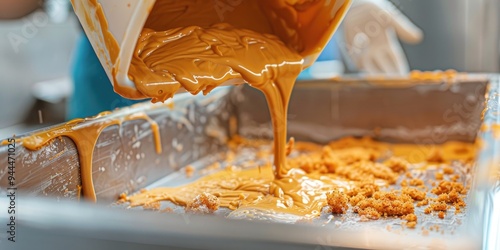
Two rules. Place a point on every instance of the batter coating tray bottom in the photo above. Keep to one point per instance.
(195, 133)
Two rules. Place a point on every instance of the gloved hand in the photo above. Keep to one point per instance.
(372, 28)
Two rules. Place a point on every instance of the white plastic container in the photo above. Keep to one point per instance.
(124, 20)
(113, 27)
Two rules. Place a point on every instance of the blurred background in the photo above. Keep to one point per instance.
(36, 53)
(35, 49)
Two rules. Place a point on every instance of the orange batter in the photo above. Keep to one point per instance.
(353, 171)
(84, 133)
(191, 44)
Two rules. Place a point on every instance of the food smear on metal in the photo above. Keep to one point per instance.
(85, 133)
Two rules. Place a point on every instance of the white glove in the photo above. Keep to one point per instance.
(372, 28)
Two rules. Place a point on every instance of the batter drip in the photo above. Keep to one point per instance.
(198, 45)
(197, 51)
(84, 133)
(200, 59)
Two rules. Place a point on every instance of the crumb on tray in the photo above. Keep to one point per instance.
(385, 204)
(203, 203)
(338, 202)
(189, 171)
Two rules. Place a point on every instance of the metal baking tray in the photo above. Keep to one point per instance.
(195, 131)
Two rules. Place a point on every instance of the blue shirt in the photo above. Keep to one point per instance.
(93, 92)
(329, 53)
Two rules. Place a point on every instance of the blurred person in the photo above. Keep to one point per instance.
(462, 35)
(11, 9)
(371, 32)
(367, 42)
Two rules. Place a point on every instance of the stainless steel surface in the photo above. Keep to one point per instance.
(415, 113)
(440, 112)
(486, 189)
(124, 158)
